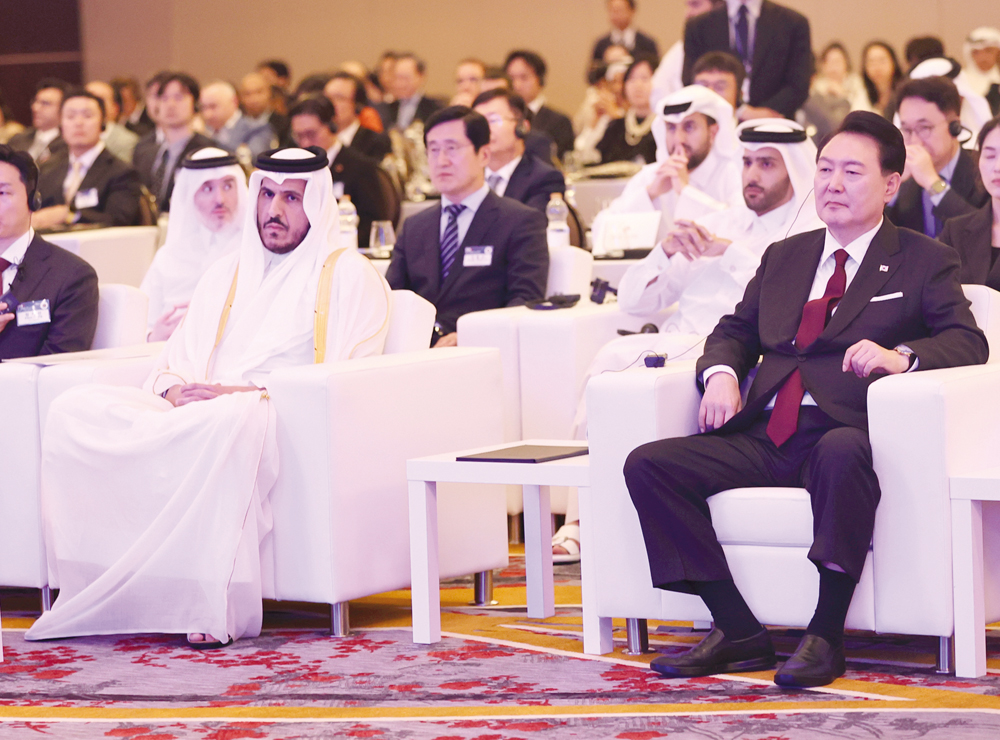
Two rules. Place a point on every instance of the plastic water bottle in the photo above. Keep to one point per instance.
(558, 214)
(348, 223)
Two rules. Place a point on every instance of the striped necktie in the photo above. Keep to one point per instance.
(449, 242)
(73, 183)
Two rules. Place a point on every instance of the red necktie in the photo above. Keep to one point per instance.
(4, 264)
(815, 315)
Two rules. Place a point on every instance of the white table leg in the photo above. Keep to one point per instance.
(425, 576)
(538, 552)
(597, 631)
(970, 609)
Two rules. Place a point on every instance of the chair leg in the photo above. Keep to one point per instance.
(340, 619)
(484, 589)
(46, 598)
(515, 532)
(638, 636)
(944, 666)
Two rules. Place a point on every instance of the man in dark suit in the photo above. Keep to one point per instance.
(159, 152)
(476, 250)
(55, 291)
(353, 174)
(410, 103)
(510, 172)
(941, 179)
(827, 314)
(772, 41)
(526, 71)
(86, 184)
(621, 13)
(41, 140)
(347, 93)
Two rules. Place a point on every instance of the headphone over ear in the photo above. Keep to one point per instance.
(955, 128)
(35, 201)
(521, 131)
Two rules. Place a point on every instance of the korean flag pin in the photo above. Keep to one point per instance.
(883, 268)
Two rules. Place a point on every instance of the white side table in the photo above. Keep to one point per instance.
(426, 472)
(967, 495)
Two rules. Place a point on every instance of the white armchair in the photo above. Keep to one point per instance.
(923, 426)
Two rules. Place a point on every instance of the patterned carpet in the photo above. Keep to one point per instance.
(496, 674)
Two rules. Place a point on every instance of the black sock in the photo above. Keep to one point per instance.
(729, 611)
(836, 590)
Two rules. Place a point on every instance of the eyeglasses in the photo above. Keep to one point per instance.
(496, 119)
(922, 130)
(450, 149)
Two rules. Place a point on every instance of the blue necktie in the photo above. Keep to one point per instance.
(449, 242)
(743, 35)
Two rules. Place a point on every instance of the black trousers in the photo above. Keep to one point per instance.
(671, 480)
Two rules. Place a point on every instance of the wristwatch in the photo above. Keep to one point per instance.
(907, 353)
(938, 186)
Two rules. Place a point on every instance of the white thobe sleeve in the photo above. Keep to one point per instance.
(638, 296)
(359, 310)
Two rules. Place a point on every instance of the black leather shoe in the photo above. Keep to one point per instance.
(718, 654)
(815, 662)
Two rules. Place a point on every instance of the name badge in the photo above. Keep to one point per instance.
(86, 199)
(30, 313)
(478, 257)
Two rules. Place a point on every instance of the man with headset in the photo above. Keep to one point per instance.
(509, 172)
(49, 299)
(940, 180)
(347, 93)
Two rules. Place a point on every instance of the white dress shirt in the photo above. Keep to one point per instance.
(407, 111)
(347, 135)
(505, 173)
(15, 255)
(624, 38)
(536, 104)
(471, 203)
(86, 161)
(42, 141)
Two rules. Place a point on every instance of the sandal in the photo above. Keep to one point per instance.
(205, 643)
(568, 537)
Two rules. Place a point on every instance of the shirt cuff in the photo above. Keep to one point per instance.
(709, 372)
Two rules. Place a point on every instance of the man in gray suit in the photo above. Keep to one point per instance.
(225, 122)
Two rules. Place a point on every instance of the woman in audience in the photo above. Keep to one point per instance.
(881, 73)
(835, 79)
(976, 236)
(630, 138)
(206, 223)
(602, 103)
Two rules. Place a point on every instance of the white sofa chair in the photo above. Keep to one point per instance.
(119, 254)
(121, 322)
(923, 426)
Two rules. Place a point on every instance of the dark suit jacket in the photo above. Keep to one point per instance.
(358, 173)
(971, 236)
(556, 125)
(371, 144)
(965, 196)
(22, 142)
(144, 161)
(425, 108)
(782, 54)
(932, 317)
(116, 183)
(539, 144)
(143, 126)
(533, 181)
(70, 285)
(644, 45)
(517, 274)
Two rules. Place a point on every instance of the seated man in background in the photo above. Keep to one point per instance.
(207, 212)
(526, 71)
(697, 168)
(475, 250)
(49, 299)
(815, 319)
(468, 81)
(409, 103)
(117, 139)
(86, 184)
(225, 122)
(353, 174)
(509, 172)
(347, 93)
(941, 179)
(41, 140)
(255, 99)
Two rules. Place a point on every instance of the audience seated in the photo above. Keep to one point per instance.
(8, 126)
(975, 109)
(279, 77)
(255, 98)
(134, 115)
(55, 291)
(921, 48)
(207, 214)
(86, 183)
(354, 174)
(722, 73)
(384, 72)
(976, 236)
(117, 139)
(468, 81)
(158, 153)
(772, 42)
(621, 13)
(836, 90)
(880, 73)
(982, 64)
(475, 250)
(697, 162)
(940, 180)
(602, 103)
(350, 101)
(409, 103)
(219, 105)
(526, 71)
(41, 140)
(509, 172)
(630, 137)
(668, 76)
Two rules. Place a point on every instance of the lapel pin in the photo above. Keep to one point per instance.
(883, 268)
